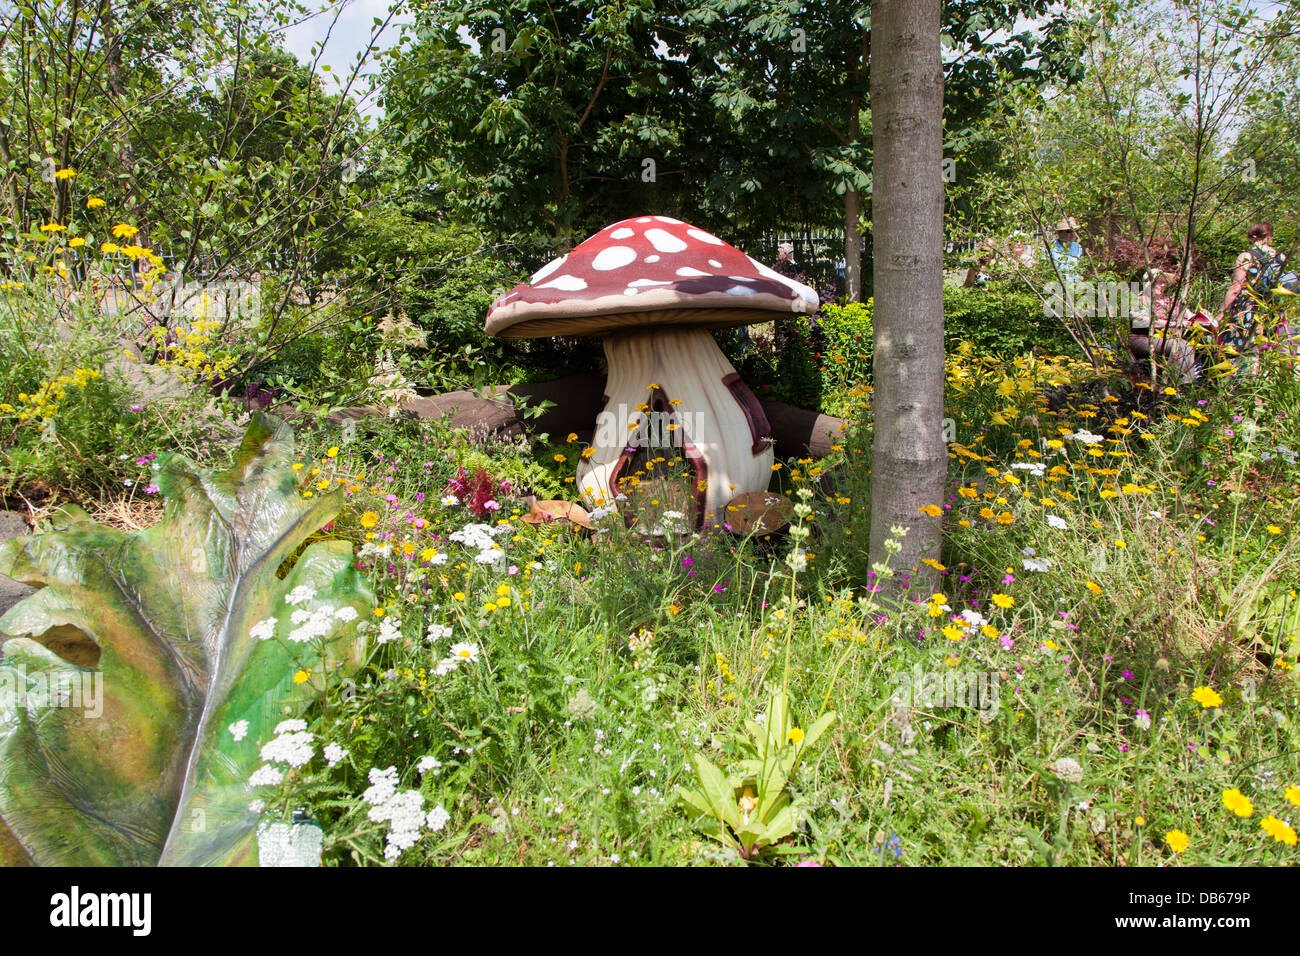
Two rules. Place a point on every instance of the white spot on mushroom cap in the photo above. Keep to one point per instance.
(623, 233)
(565, 283)
(639, 282)
(651, 258)
(740, 290)
(613, 257)
(664, 241)
(644, 219)
(547, 269)
(715, 263)
(689, 272)
(801, 291)
(703, 236)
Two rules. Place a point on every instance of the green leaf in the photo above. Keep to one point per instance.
(160, 620)
(717, 790)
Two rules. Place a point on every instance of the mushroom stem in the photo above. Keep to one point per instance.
(678, 376)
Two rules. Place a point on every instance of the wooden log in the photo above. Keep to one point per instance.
(799, 433)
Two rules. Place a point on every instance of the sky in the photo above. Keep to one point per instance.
(343, 37)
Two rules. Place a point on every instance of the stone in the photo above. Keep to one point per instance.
(12, 525)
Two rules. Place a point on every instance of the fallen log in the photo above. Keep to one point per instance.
(576, 401)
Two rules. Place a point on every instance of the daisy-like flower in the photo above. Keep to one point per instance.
(1279, 830)
(1238, 802)
(123, 231)
(1177, 840)
(1207, 697)
(1003, 601)
(465, 651)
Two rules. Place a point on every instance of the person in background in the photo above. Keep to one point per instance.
(785, 263)
(1151, 332)
(1257, 271)
(1066, 250)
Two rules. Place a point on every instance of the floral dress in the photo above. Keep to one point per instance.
(1239, 327)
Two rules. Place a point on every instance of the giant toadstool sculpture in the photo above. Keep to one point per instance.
(653, 287)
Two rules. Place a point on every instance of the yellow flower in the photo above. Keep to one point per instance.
(988, 630)
(1003, 600)
(1238, 803)
(332, 451)
(459, 595)
(1177, 840)
(369, 519)
(1092, 586)
(932, 510)
(503, 590)
(571, 437)
(1274, 529)
(94, 202)
(795, 736)
(1278, 830)
(108, 247)
(1293, 794)
(1006, 518)
(939, 597)
(301, 677)
(561, 458)
(428, 554)
(953, 632)
(930, 562)
(76, 242)
(379, 612)
(1207, 697)
(65, 174)
(123, 231)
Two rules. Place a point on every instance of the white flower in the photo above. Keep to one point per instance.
(428, 763)
(334, 753)
(300, 595)
(238, 730)
(257, 806)
(317, 624)
(383, 784)
(438, 558)
(599, 514)
(450, 500)
(437, 632)
(1036, 468)
(1037, 564)
(300, 616)
(346, 613)
(290, 726)
(263, 630)
(1056, 521)
(973, 618)
(1085, 436)
(390, 629)
(437, 818)
(295, 749)
(266, 776)
(464, 651)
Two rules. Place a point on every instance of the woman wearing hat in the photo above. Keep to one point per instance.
(1066, 250)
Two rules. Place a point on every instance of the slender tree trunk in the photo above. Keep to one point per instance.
(910, 457)
(853, 245)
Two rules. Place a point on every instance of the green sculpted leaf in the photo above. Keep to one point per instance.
(147, 637)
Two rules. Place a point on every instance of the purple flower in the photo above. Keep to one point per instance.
(151, 489)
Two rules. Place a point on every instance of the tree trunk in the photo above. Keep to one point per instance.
(853, 245)
(910, 457)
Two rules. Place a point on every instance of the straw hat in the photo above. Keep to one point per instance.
(1067, 225)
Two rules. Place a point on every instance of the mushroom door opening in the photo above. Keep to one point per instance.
(652, 287)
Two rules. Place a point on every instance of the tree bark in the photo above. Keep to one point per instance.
(853, 245)
(910, 457)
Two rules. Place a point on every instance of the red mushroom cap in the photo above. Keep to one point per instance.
(642, 272)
